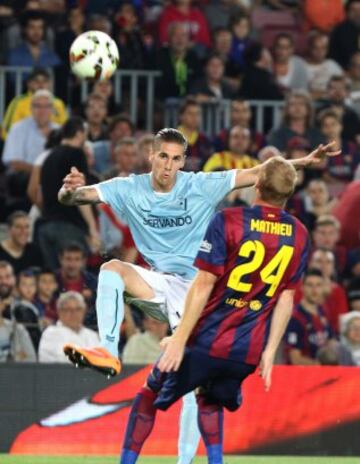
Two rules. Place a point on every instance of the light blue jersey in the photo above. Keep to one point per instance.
(168, 227)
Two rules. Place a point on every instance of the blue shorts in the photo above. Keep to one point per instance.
(219, 379)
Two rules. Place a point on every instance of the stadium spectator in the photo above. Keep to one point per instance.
(73, 276)
(345, 36)
(350, 335)
(326, 235)
(69, 328)
(354, 294)
(335, 302)
(120, 127)
(144, 149)
(237, 156)
(317, 201)
(33, 189)
(178, 64)
(212, 85)
(96, 114)
(136, 49)
(354, 77)
(26, 286)
(241, 115)
(26, 139)
(15, 342)
(33, 51)
(181, 11)
(240, 26)
(99, 22)
(126, 159)
(62, 224)
(347, 213)
(338, 171)
(218, 13)
(20, 106)
(105, 88)
(45, 299)
(199, 146)
(338, 91)
(323, 16)
(16, 248)
(15, 308)
(222, 39)
(258, 82)
(66, 35)
(319, 68)
(144, 347)
(308, 329)
(297, 121)
(289, 69)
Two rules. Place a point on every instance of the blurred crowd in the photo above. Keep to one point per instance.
(304, 54)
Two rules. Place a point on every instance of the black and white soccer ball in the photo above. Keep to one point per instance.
(94, 55)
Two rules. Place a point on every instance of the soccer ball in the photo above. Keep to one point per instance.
(94, 55)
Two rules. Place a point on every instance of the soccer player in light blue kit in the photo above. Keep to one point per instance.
(168, 212)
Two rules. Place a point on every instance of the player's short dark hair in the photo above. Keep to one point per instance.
(312, 272)
(71, 127)
(122, 117)
(169, 134)
(14, 216)
(73, 247)
(277, 181)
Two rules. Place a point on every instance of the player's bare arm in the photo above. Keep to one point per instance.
(248, 177)
(196, 300)
(279, 322)
(74, 192)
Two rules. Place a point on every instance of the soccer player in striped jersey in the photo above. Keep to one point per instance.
(236, 312)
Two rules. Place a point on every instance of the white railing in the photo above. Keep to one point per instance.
(216, 114)
(137, 82)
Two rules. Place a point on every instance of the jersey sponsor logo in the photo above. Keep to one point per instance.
(254, 305)
(270, 227)
(164, 222)
(206, 246)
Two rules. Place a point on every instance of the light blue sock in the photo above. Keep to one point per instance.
(110, 309)
(189, 436)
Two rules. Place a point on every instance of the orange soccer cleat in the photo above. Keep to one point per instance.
(97, 358)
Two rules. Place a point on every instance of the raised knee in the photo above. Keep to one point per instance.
(114, 265)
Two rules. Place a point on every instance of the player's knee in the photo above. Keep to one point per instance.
(114, 265)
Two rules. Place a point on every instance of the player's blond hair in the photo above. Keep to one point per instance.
(277, 180)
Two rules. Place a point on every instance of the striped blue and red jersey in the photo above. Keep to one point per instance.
(256, 252)
(307, 332)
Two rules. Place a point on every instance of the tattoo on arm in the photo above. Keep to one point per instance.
(81, 196)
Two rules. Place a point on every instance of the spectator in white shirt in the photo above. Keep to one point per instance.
(320, 68)
(69, 328)
(27, 138)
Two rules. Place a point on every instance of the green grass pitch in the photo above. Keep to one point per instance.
(6, 459)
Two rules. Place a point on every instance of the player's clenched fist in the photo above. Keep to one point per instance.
(74, 180)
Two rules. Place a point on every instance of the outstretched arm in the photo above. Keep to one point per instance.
(74, 192)
(248, 177)
(196, 300)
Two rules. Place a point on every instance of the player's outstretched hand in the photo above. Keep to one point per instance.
(321, 152)
(173, 349)
(266, 365)
(73, 180)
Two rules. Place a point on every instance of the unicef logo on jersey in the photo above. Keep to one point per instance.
(164, 222)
